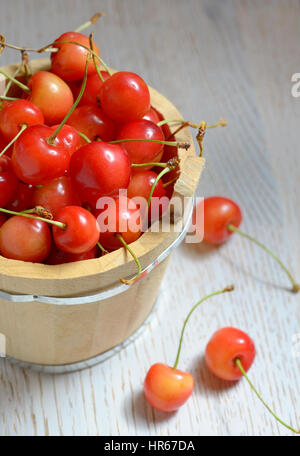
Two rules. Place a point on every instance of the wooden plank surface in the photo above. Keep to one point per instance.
(212, 58)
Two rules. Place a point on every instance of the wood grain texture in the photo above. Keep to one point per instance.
(211, 58)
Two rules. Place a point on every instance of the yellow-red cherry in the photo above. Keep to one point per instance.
(166, 388)
(52, 95)
(69, 62)
(224, 348)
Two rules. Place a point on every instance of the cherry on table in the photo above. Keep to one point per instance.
(229, 355)
(222, 218)
(166, 389)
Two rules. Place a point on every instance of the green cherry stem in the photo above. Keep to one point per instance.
(103, 250)
(94, 59)
(90, 22)
(180, 145)
(239, 365)
(56, 132)
(5, 98)
(84, 137)
(61, 225)
(234, 229)
(23, 127)
(131, 281)
(15, 81)
(225, 290)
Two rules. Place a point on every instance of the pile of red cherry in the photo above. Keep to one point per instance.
(77, 134)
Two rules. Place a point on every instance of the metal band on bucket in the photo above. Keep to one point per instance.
(106, 293)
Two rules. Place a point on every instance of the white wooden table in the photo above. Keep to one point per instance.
(211, 58)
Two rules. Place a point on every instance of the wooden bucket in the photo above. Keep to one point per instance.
(67, 317)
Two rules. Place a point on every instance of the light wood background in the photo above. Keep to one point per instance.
(212, 58)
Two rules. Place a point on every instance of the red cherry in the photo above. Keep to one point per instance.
(8, 181)
(167, 389)
(140, 186)
(224, 348)
(81, 233)
(219, 212)
(16, 113)
(140, 151)
(222, 218)
(120, 216)
(125, 97)
(3, 144)
(92, 121)
(3, 219)
(34, 160)
(25, 239)
(69, 137)
(52, 95)
(99, 169)
(69, 62)
(152, 116)
(56, 194)
(59, 257)
(23, 199)
(92, 89)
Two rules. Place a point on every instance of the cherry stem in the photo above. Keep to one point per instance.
(239, 365)
(222, 123)
(141, 165)
(15, 81)
(4, 97)
(94, 58)
(180, 145)
(103, 250)
(225, 290)
(131, 281)
(296, 286)
(84, 137)
(90, 22)
(54, 135)
(61, 225)
(170, 182)
(23, 127)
